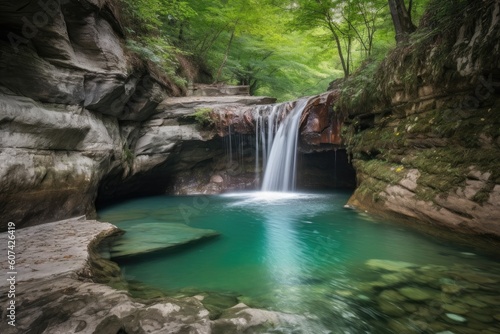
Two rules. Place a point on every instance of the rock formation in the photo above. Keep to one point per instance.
(80, 114)
(423, 127)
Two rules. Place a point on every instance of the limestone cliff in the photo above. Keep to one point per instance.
(423, 127)
(80, 114)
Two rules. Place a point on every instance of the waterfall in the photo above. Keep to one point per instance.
(230, 146)
(279, 174)
(258, 118)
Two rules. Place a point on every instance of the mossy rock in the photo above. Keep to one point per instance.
(216, 303)
(416, 294)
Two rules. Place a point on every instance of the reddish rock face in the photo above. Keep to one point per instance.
(320, 125)
(238, 118)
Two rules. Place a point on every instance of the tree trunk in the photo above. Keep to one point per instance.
(345, 65)
(402, 20)
(336, 38)
(226, 54)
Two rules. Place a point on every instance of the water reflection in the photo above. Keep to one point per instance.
(284, 256)
(306, 254)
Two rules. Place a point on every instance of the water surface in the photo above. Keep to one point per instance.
(305, 253)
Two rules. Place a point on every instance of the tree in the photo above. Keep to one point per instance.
(369, 13)
(349, 23)
(230, 42)
(401, 17)
(311, 14)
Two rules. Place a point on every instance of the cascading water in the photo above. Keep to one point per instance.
(281, 164)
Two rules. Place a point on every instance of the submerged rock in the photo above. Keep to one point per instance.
(388, 265)
(216, 303)
(415, 294)
(470, 300)
(394, 278)
(481, 317)
(456, 308)
(451, 288)
(455, 317)
(392, 295)
(391, 309)
(478, 278)
(491, 300)
(152, 237)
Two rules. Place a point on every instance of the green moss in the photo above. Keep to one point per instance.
(359, 91)
(409, 143)
(376, 175)
(439, 174)
(483, 195)
(445, 169)
(127, 155)
(443, 144)
(385, 171)
(374, 184)
(202, 116)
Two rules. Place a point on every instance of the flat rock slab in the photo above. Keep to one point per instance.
(200, 100)
(53, 249)
(153, 237)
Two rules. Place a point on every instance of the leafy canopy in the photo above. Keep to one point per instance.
(281, 48)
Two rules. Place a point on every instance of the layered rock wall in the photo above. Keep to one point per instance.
(62, 66)
(176, 151)
(428, 149)
(82, 115)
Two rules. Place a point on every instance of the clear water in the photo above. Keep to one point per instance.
(307, 254)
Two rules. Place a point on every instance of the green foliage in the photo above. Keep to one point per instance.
(360, 90)
(202, 116)
(231, 43)
(128, 155)
(349, 27)
(298, 48)
(260, 53)
(144, 23)
(150, 16)
(158, 51)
